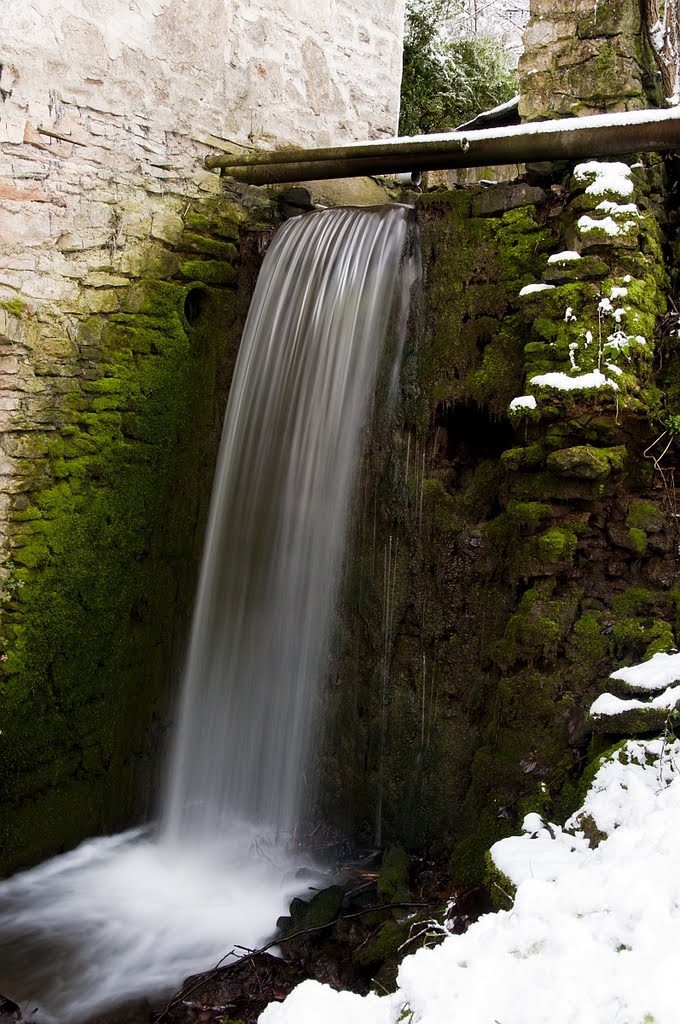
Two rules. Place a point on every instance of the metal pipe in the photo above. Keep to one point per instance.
(572, 138)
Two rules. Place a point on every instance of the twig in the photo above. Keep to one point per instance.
(251, 954)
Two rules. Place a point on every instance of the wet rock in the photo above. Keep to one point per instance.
(321, 910)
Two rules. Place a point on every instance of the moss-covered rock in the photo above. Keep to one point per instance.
(585, 462)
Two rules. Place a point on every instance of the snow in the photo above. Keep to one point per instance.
(563, 382)
(563, 257)
(523, 402)
(657, 35)
(529, 289)
(612, 176)
(656, 674)
(594, 933)
(619, 341)
(618, 293)
(587, 224)
(312, 1003)
(567, 125)
(605, 306)
(618, 208)
(608, 704)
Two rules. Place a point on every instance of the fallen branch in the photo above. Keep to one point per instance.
(250, 954)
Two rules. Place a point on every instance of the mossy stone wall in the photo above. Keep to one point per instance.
(582, 57)
(105, 537)
(506, 558)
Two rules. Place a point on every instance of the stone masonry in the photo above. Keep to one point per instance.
(584, 57)
(107, 110)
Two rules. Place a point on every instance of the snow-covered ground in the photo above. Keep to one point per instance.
(594, 933)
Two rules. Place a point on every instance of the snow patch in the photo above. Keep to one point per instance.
(529, 289)
(613, 177)
(587, 224)
(594, 933)
(618, 208)
(564, 257)
(523, 402)
(563, 382)
(608, 704)
(656, 674)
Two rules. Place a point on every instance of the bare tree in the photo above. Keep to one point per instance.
(504, 21)
(662, 22)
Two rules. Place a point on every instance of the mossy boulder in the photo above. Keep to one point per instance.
(584, 462)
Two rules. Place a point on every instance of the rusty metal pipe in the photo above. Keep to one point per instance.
(568, 139)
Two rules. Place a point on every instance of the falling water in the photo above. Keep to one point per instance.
(132, 915)
(305, 373)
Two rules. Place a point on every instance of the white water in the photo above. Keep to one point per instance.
(129, 915)
(305, 373)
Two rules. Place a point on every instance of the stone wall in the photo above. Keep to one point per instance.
(125, 273)
(584, 57)
(262, 72)
(516, 536)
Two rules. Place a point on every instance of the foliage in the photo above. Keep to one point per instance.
(447, 81)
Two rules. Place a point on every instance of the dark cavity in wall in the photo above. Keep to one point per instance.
(467, 433)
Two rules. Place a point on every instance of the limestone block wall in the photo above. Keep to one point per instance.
(277, 71)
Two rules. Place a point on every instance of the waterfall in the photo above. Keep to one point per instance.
(132, 915)
(305, 372)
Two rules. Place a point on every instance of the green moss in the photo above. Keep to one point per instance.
(520, 514)
(105, 549)
(587, 643)
(468, 863)
(393, 884)
(557, 545)
(536, 629)
(14, 306)
(210, 246)
(586, 462)
(223, 219)
(521, 246)
(530, 457)
(383, 946)
(208, 271)
(638, 539)
(637, 639)
(197, 221)
(439, 506)
(501, 889)
(322, 909)
(644, 516)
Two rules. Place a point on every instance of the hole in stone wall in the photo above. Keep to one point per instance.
(193, 304)
(468, 433)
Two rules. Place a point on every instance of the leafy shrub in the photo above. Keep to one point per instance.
(447, 81)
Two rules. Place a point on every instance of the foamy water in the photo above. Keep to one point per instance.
(124, 917)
